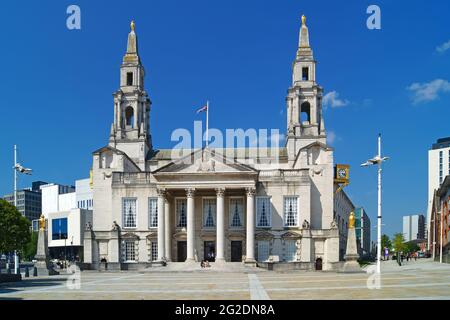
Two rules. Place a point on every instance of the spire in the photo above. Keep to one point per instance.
(304, 50)
(132, 46)
(304, 34)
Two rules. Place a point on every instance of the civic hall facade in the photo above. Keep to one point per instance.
(230, 205)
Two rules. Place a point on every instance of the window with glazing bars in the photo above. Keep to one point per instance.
(290, 211)
(263, 213)
(236, 212)
(129, 212)
(153, 212)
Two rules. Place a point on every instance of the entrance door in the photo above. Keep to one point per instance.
(210, 251)
(319, 264)
(182, 251)
(236, 251)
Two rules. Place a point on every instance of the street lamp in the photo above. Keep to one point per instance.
(378, 160)
(18, 168)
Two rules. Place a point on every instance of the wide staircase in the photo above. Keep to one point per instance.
(237, 267)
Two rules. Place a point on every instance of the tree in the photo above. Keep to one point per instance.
(399, 242)
(411, 247)
(386, 242)
(29, 251)
(14, 228)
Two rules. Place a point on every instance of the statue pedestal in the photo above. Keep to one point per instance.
(43, 265)
(351, 257)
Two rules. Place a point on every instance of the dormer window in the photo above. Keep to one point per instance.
(129, 78)
(305, 74)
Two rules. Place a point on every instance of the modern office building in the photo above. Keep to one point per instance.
(67, 213)
(438, 169)
(414, 227)
(57, 197)
(362, 226)
(84, 196)
(29, 200)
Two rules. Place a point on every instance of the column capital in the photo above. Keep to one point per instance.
(250, 191)
(220, 192)
(190, 192)
(161, 192)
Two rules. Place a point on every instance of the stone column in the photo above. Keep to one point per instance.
(167, 231)
(190, 224)
(161, 220)
(250, 240)
(220, 231)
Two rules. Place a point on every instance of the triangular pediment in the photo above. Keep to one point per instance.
(290, 235)
(130, 236)
(205, 161)
(319, 144)
(264, 235)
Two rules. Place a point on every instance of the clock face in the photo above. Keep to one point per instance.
(342, 173)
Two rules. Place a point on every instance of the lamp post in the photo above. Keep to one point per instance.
(378, 160)
(17, 168)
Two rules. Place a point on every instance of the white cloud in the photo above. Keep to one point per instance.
(331, 99)
(429, 91)
(443, 47)
(331, 137)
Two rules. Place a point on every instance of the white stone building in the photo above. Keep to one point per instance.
(438, 169)
(342, 207)
(227, 205)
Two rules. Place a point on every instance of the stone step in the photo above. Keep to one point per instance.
(214, 267)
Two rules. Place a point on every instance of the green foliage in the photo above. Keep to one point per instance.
(29, 251)
(411, 247)
(14, 228)
(399, 242)
(386, 242)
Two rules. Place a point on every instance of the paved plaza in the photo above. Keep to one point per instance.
(414, 280)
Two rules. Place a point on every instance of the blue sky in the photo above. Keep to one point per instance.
(56, 85)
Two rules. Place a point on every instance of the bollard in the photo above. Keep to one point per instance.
(27, 272)
(35, 272)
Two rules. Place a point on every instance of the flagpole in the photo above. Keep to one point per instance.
(16, 258)
(207, 124)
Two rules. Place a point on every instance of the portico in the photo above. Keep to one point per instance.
(206, 208)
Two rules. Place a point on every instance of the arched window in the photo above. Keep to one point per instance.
(129, 117)
(305, 111)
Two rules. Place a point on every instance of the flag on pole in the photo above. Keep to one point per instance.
(205, 108)
(202, 109)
